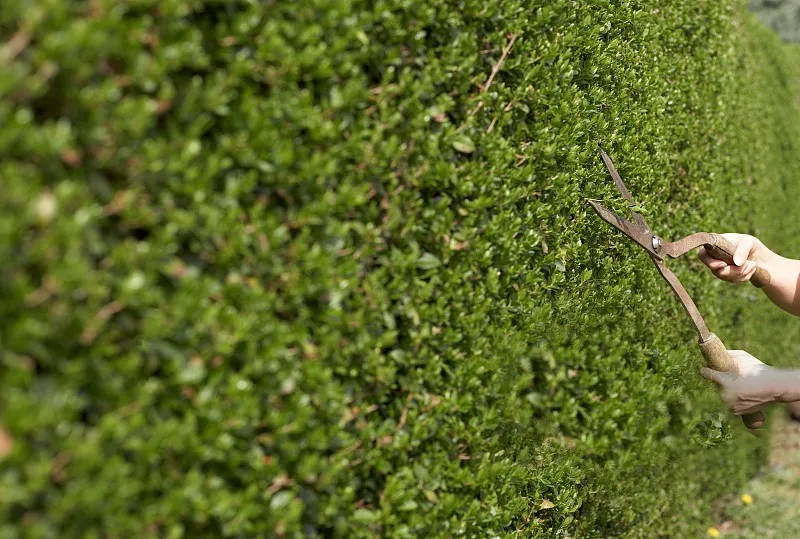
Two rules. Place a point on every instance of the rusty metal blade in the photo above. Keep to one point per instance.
(641, 236)
(677, 248)
(639, 232)
(637, 218)
(685, 299)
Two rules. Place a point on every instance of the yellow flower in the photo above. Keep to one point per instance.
(712, 532)
(747, 499)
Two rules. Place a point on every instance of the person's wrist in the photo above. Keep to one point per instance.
(763, 253)
(788, 389)
(766, 258)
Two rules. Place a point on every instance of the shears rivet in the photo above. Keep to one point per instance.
(656, 243)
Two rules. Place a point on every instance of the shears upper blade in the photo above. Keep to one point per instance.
(645, 240)
(638, 233)
(638, 219)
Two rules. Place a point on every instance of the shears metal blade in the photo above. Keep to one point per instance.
(719, 247)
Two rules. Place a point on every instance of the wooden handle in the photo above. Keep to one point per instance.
(723, 250)
(717, 358)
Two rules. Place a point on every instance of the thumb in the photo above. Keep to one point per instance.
(715, 376)
(743, 249)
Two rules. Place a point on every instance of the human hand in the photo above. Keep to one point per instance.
(752, 385)
(748, 249)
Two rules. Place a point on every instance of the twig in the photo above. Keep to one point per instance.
(496, 67)
(404, 414)
(478, 107)
(15, 45)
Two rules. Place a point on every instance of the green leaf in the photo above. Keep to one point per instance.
(280, 500)
(409, 505)
(428, 261)
(464, 144)
(365, 516)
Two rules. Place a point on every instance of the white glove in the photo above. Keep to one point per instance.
(751, 385)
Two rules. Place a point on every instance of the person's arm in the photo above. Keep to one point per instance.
(784, 272)
(752, 385)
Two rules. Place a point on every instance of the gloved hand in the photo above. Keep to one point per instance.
(751, 385)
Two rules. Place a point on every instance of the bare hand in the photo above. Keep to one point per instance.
(743, 268)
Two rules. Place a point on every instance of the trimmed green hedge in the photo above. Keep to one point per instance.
(325, 269)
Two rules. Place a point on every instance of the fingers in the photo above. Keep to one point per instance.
(742, 269)
(710, 374)
(741, 274)
(749, 386)
(744, 249)
(748, 270)
(718, 377)
(746, 408)
(735, 274)
(710, 261)
(722, 270)
(732, 399)
(743, 404)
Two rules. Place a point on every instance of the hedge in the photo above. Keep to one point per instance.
(326, 268)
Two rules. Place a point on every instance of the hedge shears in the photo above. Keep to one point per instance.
(713, 349)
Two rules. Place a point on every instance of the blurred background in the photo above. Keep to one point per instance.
(783, 16)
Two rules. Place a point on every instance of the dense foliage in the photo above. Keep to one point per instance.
(326, 269)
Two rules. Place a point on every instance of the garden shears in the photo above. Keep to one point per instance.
(713, 349)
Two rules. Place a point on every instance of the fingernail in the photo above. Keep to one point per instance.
(738, 260)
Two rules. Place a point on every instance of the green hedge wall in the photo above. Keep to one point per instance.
(325, 268)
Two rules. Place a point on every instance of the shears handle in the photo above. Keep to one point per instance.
(717, 358)
(724, 249)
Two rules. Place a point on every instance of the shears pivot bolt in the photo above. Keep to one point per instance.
(656, 241)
